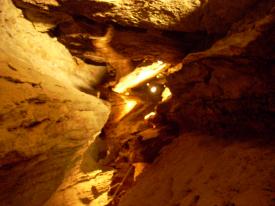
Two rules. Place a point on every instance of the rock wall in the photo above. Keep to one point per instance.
(180, 15)
(228, 91)
(202, 170)
(228, 87)
(45, 123)
(24, 42)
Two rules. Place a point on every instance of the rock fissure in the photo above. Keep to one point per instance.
(18, 81)
(195, 133)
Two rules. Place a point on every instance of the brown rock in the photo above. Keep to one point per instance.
(189, 16)
(44, 121)
(226, 86)
(201, 170)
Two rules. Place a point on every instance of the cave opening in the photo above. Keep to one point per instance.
(129, 103)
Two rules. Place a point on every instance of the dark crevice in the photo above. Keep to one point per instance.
(205, 98)
(18, 81)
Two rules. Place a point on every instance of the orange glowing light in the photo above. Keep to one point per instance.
(129, 105)
(139, 76)
(151, 114)
(153, 89)
(139, 168)
(166, 94)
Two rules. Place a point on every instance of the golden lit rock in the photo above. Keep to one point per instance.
(44, 119)
(166, 94)
(178, 15)
(187, 110)
(128, 105)
(139, 76)
(150, 115)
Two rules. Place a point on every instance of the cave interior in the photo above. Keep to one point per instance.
(137, 103)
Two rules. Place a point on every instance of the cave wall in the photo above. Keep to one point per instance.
(200, 170)
(230, 86)
(45, 122)
(214, 16)
(226, 91)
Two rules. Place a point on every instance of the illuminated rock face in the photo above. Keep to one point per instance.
(227, 91)
(45, 123)
(180, 15)
(51, 58)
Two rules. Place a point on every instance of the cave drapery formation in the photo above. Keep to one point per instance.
(135, 102)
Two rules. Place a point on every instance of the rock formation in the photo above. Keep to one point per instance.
(227, 91)
(231, 83)
(180, 15)
(45, 122)
(210, 143)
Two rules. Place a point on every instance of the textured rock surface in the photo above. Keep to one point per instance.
(227, 89)
(42, 126)
(202, 170)
(45, 123)
(87, 183)
(51, 58)
(231, 85)
(180, 15)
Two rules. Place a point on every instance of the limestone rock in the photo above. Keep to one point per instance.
(44, 120)
(189, 16)
(201, 170)
(22, 40)
(47, 125)
(43, 124)
(82, 186)
(228, 86)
